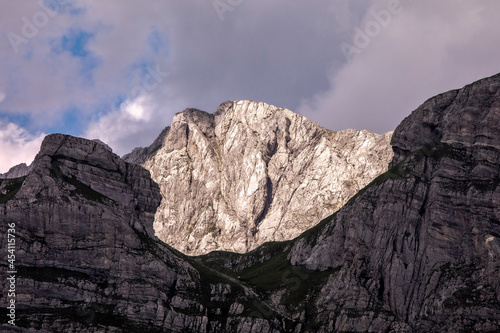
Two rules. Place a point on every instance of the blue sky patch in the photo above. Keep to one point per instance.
(88, 65)
(75, 42)
(155, 40)
(119, 101)
(139, 68)
(62, 6)
(72, 122)
(23, 120)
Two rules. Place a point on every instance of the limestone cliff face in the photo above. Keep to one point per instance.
(252, 173)
(417, 250)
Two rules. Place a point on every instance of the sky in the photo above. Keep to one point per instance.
(118, 70)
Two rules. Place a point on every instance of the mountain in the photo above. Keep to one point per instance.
(251, 173)
(87, 260)
(17, 171)
(416, 250)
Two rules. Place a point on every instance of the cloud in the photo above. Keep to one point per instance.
(85, 62)
(425, 49)
(135, 123)
(17, 145)
(87, 58)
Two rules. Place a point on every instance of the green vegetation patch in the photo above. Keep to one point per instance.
(277, 273)
(211, 276)
(270, 274)
(444, 150)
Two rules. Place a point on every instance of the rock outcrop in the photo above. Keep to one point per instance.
(252, 173)
(16, 171)
(139, 155)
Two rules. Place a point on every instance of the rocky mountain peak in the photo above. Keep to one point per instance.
(93, 173)
(16, 171)
(469, 115)
(424, 239)
(92, 152)
(253, 172)
(138, 155)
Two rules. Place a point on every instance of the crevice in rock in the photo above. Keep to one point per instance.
(267, 203)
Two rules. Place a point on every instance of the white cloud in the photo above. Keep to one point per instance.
(118, 45)
(17, 145)
(428, 48)
(2, 97)
(137, 109)
(25, 73)
(135, 123)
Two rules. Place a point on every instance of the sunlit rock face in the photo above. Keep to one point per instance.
(252, 173)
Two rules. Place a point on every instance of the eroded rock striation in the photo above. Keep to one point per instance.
(252, 173)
